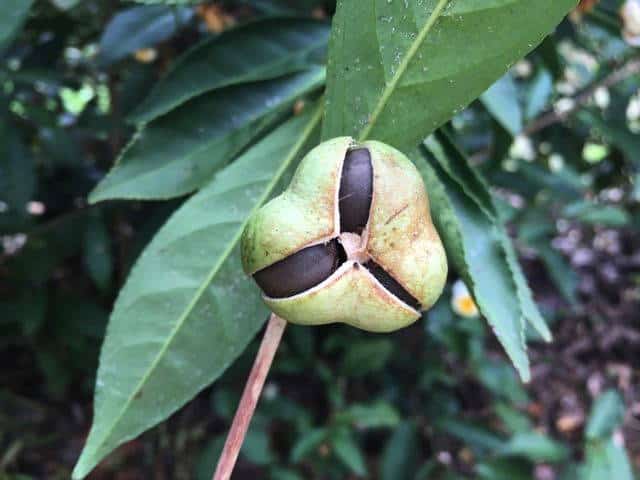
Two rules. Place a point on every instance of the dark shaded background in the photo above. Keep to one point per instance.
(436, 400)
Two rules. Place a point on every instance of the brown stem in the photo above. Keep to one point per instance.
(250, 396)
(629, 69)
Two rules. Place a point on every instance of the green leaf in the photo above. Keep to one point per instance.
(347, 450)
(456, 165)
(168, 2)
(65, 4)
(284, 7)
(607, 460)
(513, 419)
(17, 176)
(399, 458)
(503, 469)
(548, 52)
(525, 296)
(140, 27)
(536, 447)
(529, 179)
(27, 310)
(500, 379)
(45, 249)
(501, 99)
(539, 95)
(366, 356)
(255, 447)
(475, 247)
(208, 458)
(562, 274)
(187, 310)
(476, 436)
(375, 415)
(597, 214)
(97, 251)
(180, 151)
(397, 70)
(278, 473)
(256, 51)
(13, 13)
(429, 470)
(606, 415)
(307, 443)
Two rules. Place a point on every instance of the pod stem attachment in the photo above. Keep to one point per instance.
(250, 397)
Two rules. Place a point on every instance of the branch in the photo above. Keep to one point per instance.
(551, 118)
(250, 396)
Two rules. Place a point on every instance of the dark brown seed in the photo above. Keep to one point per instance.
(356, 189)
(300, 271)
(390, 284)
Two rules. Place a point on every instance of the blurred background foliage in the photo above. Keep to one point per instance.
(559, 138)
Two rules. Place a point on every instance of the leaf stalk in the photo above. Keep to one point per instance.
(250, 397)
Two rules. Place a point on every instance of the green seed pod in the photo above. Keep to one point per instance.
(351, 240)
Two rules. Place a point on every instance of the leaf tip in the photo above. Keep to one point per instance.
(525, 374)
(95, 196)
(83, 466)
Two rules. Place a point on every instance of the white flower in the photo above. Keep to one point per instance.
(462, 302)
(523, 148)
(630, 14)
(523, 68)
(13, 243)
(564, 105)
(633, 109)
(556, 162)
(601, 97)
(633, 113)
(36, 208)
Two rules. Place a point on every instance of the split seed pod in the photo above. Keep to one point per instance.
(351, 240)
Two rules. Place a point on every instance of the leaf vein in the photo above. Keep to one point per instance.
(223, 257)
(390, 87)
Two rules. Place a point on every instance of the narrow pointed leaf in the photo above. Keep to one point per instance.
(399, 457)
(474, 247)
(13, 13)
(606, 415)
(256, 51)
(18, 178)
(607, 459)
(96, 251)
(399, 69)
(501, 100)
(140, 27)
(180, 151)
(348, 451)
(528, 305)
(187, 310)
(453, 161)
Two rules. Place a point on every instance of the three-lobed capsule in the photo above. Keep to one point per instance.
(351, 240)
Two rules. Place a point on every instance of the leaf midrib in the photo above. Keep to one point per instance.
(223, 257)
(391, 86)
